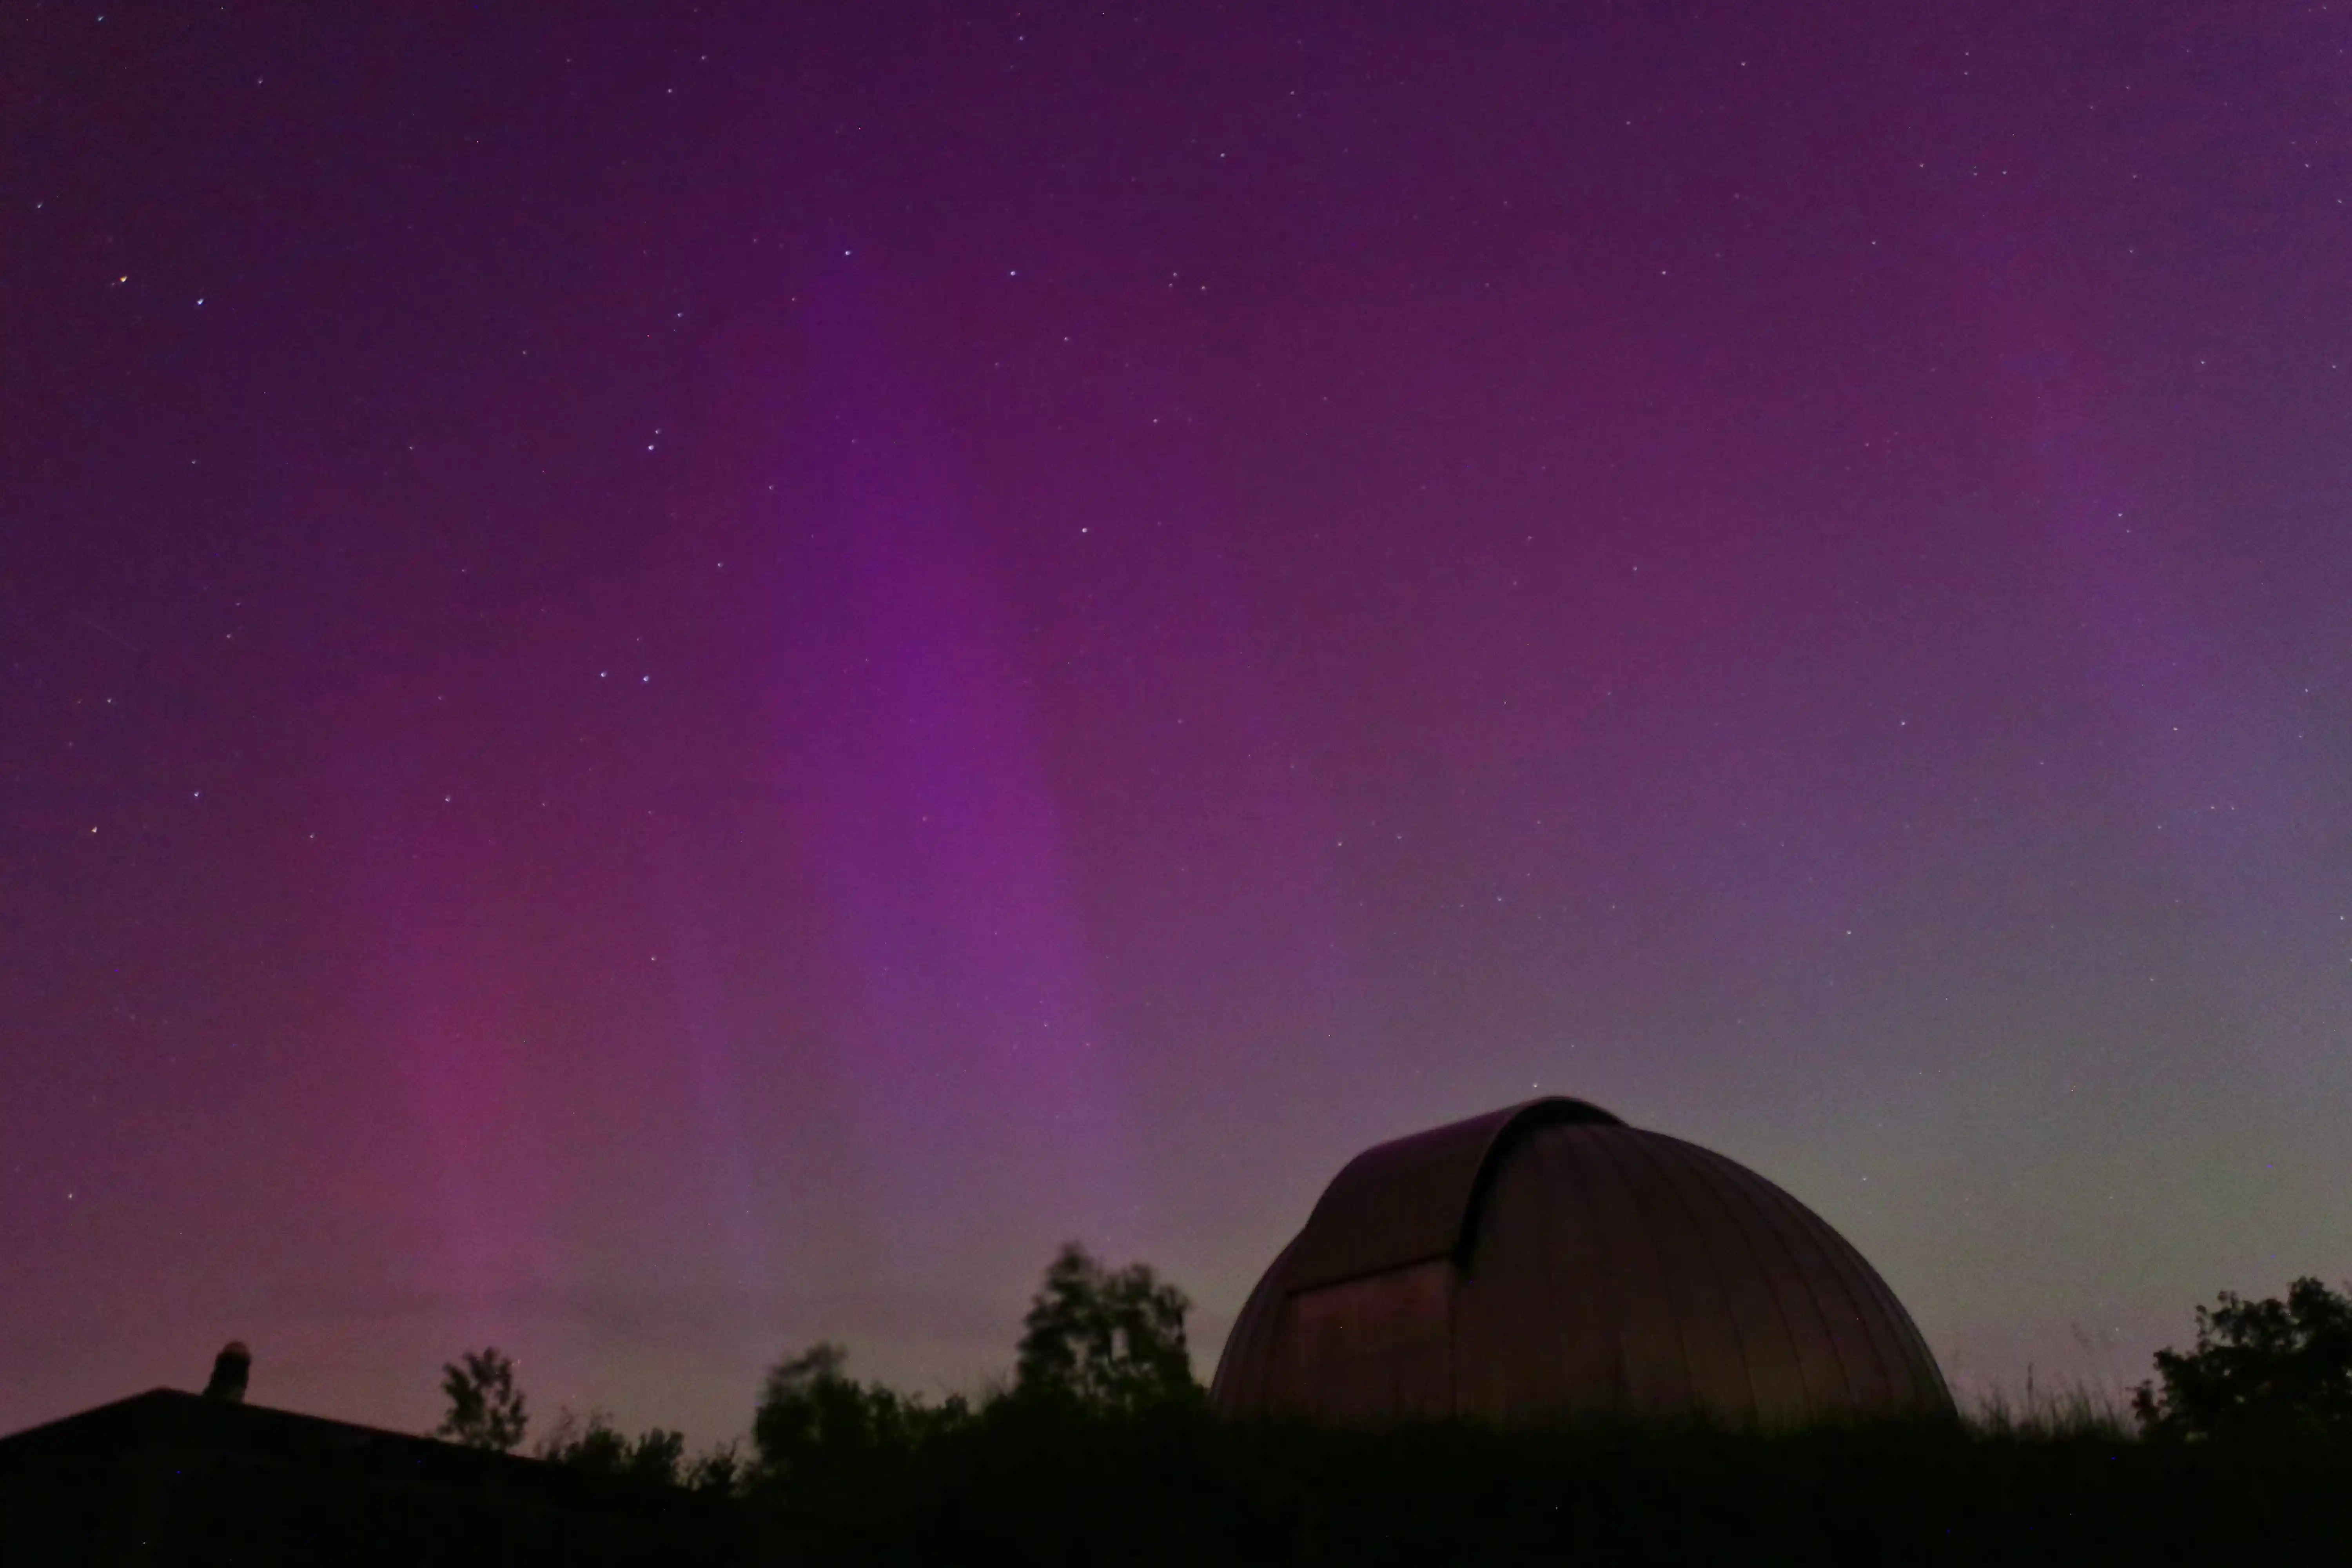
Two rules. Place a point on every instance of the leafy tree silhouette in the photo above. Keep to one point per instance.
(597, 1445)
(820, 1434)
(1096, 1342)
(486, 1411)
(486, 1408)
(1105, 1341)
(720, 1469)
(2259, 1368)
(656, 1456)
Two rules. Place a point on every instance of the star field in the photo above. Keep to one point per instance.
(673, 683)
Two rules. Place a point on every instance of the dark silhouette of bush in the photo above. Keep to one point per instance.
(596, 1446)
(718, 1471)
(2267, 1368)
(486, 1408)
(1096, 1344)
(1111, 1340)
(486, 1411)
(656, 1456)
(823, 1437)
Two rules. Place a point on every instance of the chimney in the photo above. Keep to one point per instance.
(230, 1369)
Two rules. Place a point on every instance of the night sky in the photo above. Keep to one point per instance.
(675, 682)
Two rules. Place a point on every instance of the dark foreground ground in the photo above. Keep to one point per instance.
(1462, 1495)
(175, 1484)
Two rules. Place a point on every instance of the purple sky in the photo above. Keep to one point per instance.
(670, 686)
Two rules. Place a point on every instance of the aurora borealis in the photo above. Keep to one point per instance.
(671, 683)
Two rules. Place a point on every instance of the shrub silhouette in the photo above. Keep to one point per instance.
(595, 1445)
(821, 1437)
(719, 1470)
(1104, 1340)
(486, 1408)
(2266, 1368)
(1097, 1344)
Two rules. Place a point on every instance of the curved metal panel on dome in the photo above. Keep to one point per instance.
(1413, 1199)
(1587, 1268)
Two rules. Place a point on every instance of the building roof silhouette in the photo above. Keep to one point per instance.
(181, 1477)
(1547, 1261)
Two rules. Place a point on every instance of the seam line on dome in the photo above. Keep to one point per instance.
(1831, 1249)
(1649, 1241)
(1812, 1272)
(1668, 1170)
(1921, 1374)
(1719, 1173)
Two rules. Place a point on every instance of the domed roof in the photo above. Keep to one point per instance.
(1549, 1260)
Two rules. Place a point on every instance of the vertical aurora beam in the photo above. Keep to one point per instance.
(446, 1017)
(2201, 732)
(964, 1009)
(714, 1080)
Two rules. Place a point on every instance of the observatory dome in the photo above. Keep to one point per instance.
(1547, 1261)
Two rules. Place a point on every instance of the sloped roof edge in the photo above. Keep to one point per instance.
(175, 1414)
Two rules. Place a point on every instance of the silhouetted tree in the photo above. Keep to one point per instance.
(591, 1445)
(820, 1434)
(2269, 1367)
(486, 1408)
(720, 1469)
(657, 1455)
(598, 1445)
(1107, 1340)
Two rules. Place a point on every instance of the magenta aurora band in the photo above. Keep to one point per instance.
(1546, 1261)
